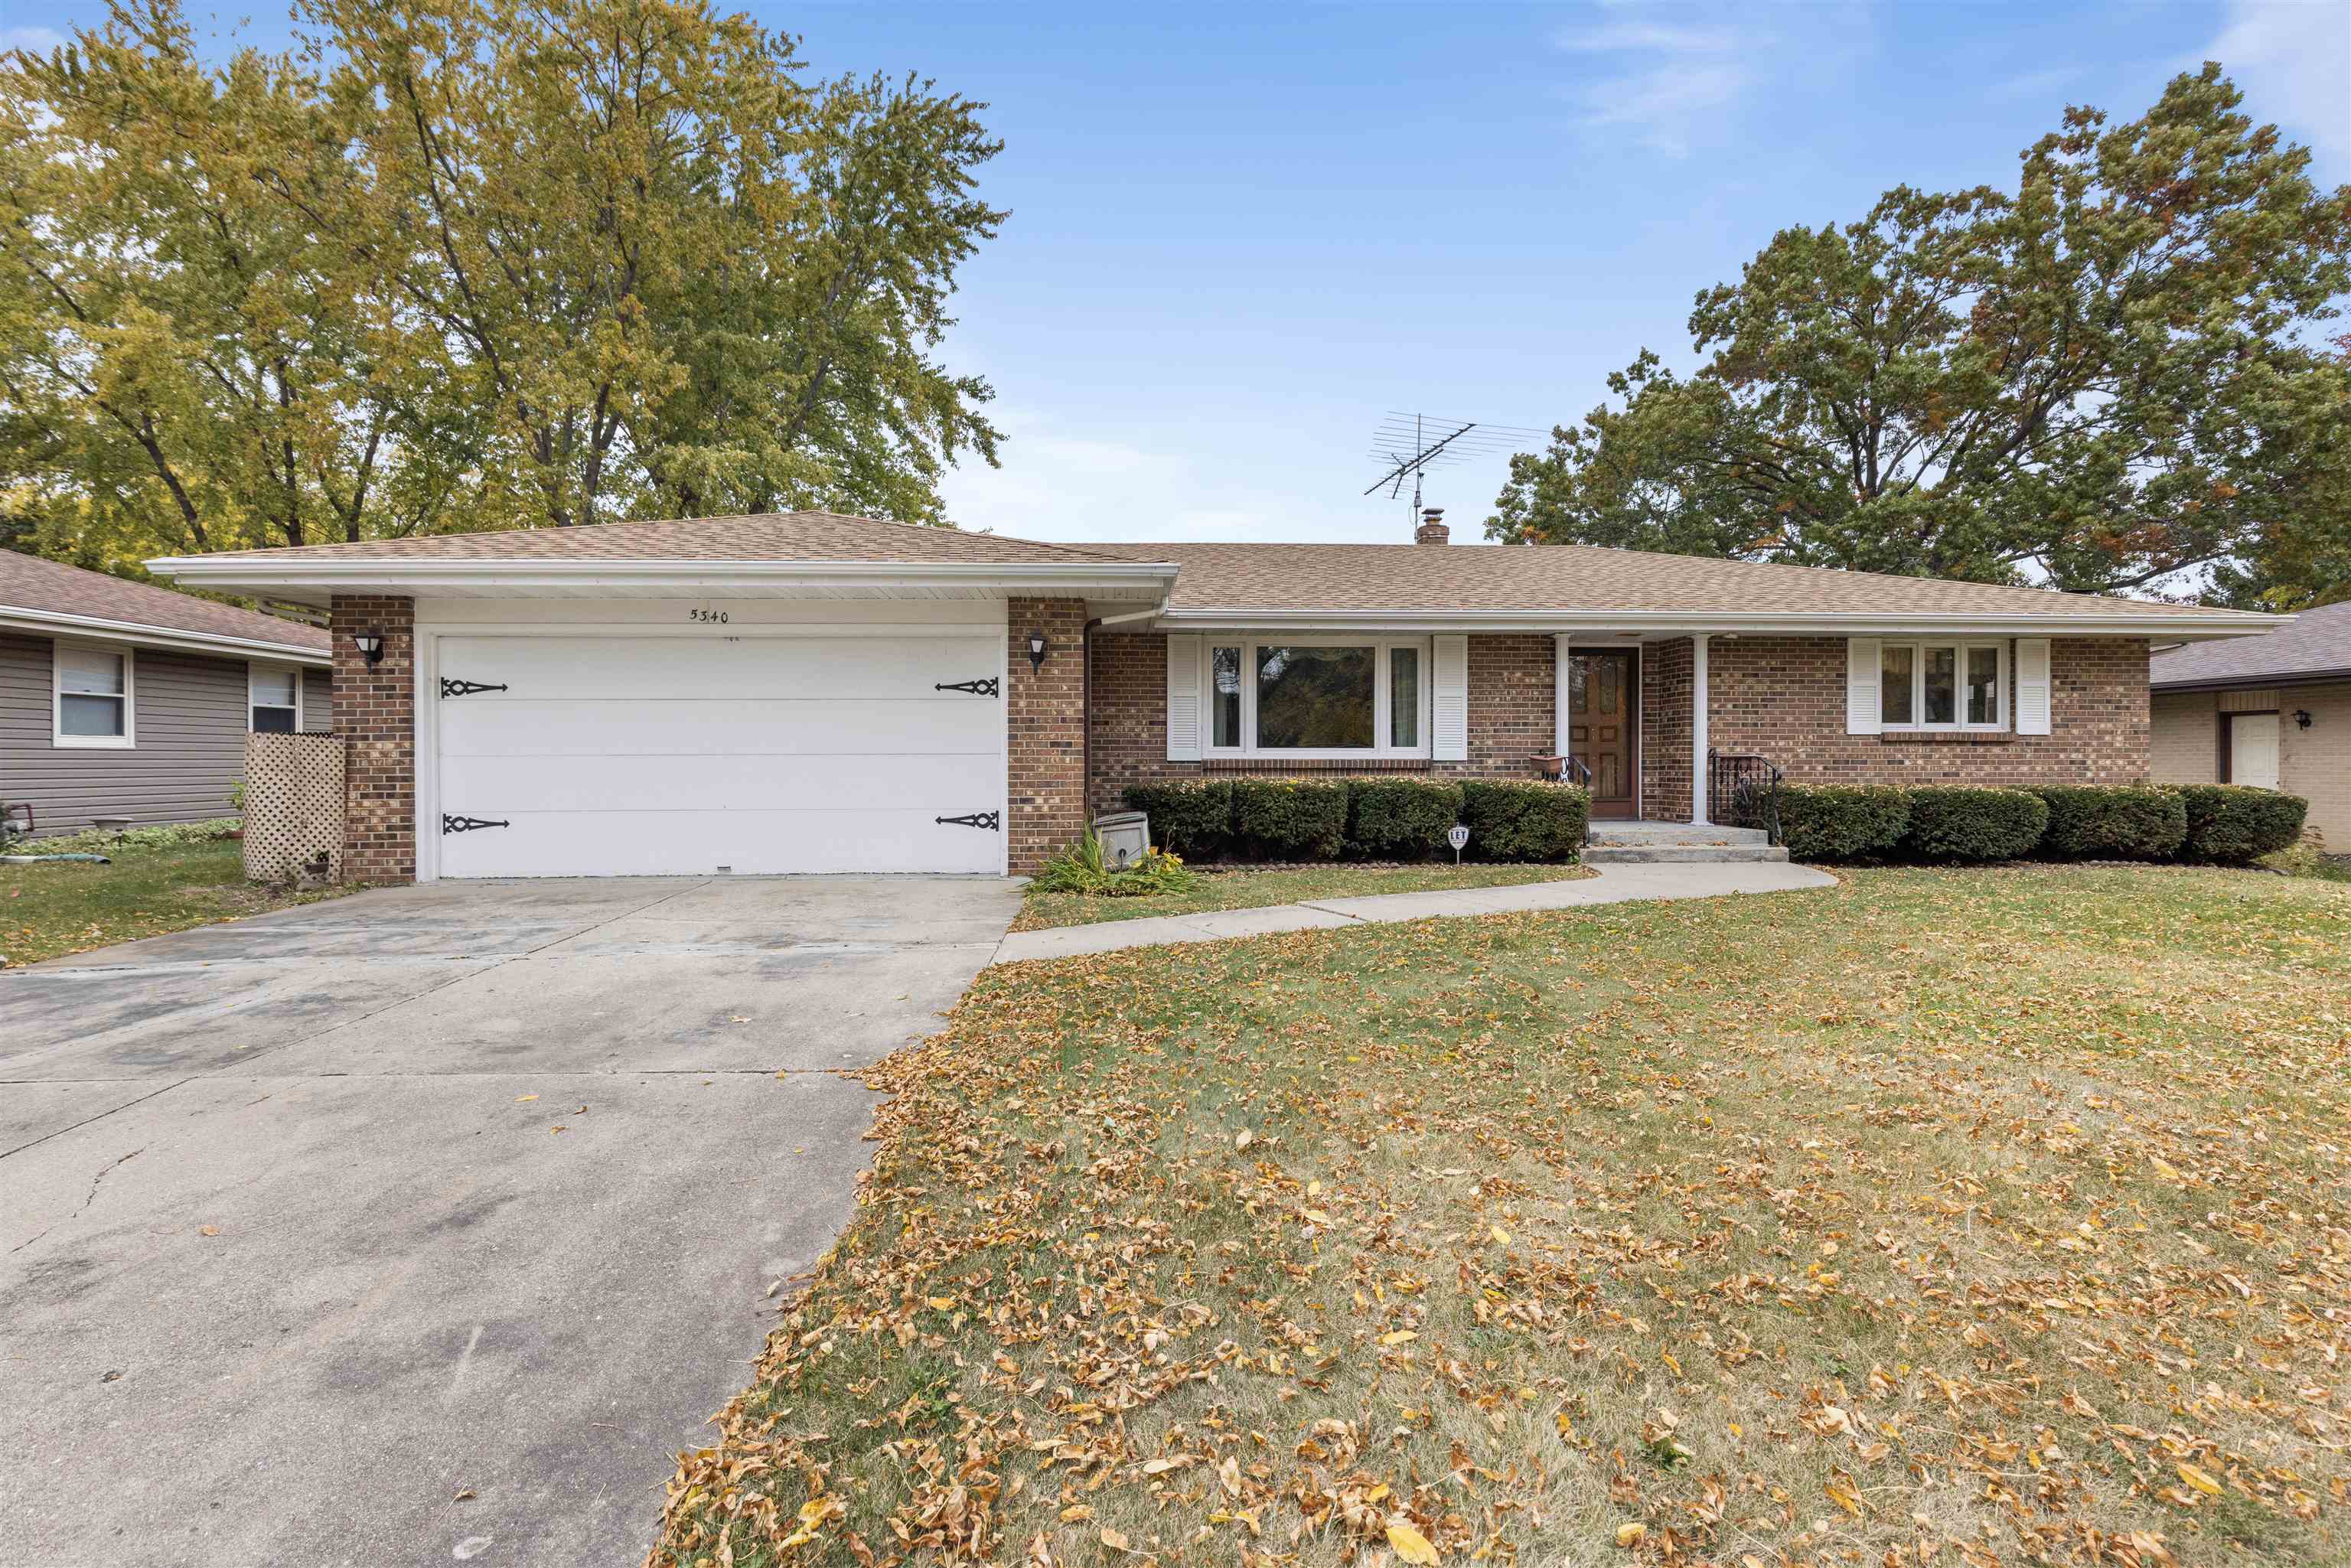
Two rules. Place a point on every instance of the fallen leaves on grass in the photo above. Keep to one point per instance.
(1982, 1218)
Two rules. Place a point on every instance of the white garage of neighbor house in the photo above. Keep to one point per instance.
(792, 694)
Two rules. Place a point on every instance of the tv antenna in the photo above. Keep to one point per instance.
(1409, 445)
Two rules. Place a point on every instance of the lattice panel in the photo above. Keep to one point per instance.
(294, 808)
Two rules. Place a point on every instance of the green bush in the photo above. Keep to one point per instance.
(1192, 816)
(1843, 821)
(1524, 819)
(2130, 822)
(1952, 822)
(1290, 819)
(2234, 824)
(1400, 818)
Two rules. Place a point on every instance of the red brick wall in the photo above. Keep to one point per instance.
(1513, 679)
(1511, 717)
(1784, 697)
(1668, 675)
(1044, 709)
(375, 712)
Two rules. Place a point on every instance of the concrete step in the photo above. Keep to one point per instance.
(1610, 833)
(1680, 853)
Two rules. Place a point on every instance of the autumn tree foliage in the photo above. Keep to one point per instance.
(471, 263)
(2110, 376)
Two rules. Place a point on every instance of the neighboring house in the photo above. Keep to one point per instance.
(812, 693)
(2273, 711)
(122, 699)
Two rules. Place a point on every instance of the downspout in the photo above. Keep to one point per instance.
(1086, 691)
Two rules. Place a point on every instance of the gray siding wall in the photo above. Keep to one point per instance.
(190, 722)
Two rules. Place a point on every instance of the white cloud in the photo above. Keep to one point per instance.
(1675, 77)
(2293, 58)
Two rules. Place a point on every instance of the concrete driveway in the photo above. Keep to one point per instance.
(315, 1221)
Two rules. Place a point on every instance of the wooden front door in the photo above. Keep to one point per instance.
(1604, 725)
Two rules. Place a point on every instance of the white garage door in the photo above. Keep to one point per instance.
(646, 755)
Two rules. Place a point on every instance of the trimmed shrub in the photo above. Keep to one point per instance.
(2132, 821)
(1400, 818)
(1191, 817)
(1290, 819)
(1524, 819)
(2235, 824)
(1843, 821)
(1950, 823)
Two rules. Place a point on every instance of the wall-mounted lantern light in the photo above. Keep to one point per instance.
(371, 647)
(1036, 651)
(2301, 718)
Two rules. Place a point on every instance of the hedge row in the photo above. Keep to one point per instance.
(2218, 824)
(1362, 819)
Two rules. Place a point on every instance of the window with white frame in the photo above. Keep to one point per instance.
(93, 696)
(1943, 685)
(273, 699)
(1317, 696)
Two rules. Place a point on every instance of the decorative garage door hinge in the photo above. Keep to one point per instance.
(450, 689)
(983, 687)
(976, 820)
(467, 824)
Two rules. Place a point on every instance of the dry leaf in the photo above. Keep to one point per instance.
(2199, 1479)
(1411, 1546)
(1630, 1535)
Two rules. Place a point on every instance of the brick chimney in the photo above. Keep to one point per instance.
(1432, 530)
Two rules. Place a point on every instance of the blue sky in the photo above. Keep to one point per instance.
(1239, 235)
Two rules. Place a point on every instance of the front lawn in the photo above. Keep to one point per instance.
(1243, 889)
(1944, 1218)
(47, 911)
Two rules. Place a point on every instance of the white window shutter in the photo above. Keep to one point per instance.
(2033, 685)
(1183, 699)
(1863, 692)
(1562, 689)
(1448, 735)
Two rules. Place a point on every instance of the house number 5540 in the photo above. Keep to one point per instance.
(717, 617)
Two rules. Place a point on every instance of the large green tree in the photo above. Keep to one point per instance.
(2107, 379)
(471, 263)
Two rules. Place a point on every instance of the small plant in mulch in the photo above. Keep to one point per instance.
(1081, 868)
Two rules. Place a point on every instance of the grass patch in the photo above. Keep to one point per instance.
(2306, 860)
(49, 911)
(1263, 889)
(1961, 1217)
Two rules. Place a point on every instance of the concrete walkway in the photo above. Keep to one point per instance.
(426, 1224)
(1610, 885)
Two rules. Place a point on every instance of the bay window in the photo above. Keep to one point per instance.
(1317, 698)
(1943, 685)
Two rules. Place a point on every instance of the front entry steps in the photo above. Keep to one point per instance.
(1668, 843)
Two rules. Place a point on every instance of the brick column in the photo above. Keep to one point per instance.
(1044, 713)
(375, 713)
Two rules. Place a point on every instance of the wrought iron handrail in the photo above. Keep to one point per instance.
(1742, 790)
(1564, 769)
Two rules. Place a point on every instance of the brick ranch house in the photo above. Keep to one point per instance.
(813, 693)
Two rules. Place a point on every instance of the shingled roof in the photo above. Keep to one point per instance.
(1571, 578)
(762, 537)
(2316, 646)
(51, 588)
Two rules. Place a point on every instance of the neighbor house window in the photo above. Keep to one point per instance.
(93, 696)
(1943, 685)
(1318, 697)
(274, 694)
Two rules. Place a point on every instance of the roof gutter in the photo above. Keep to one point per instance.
(140, 634)
(2188, 626)
(2252, 683)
